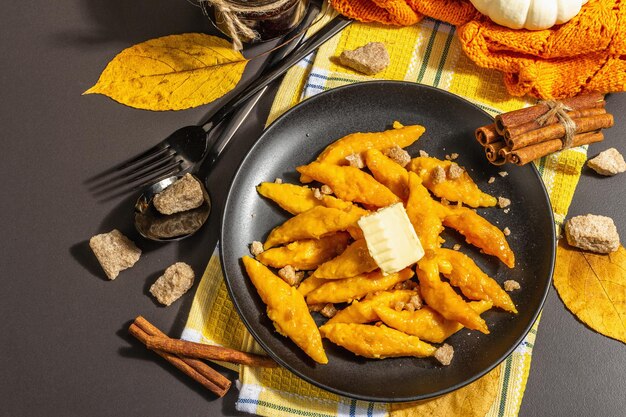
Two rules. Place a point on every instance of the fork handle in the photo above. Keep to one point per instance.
(316, 40)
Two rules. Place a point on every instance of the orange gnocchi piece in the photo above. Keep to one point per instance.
(442, 298)
(312, 224)
(355, 260)
(425, 323)
(424, 213)
(480, 233)
(309, 284)
(376, 342)
(348, 289)
(388, 172)
(305, 254)
(356, 143)
(293, 198)
(350, 184)
(473, 282)
(446, 179)
(363, 311)
(287, 309)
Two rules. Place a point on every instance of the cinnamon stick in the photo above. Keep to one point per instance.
(518, 117)
(487, 134)
(557, 131)
(202, 351)
(530, 153)
(513, 131)
(492, 152)
(208, 377)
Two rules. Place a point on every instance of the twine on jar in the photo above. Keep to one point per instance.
(560, 110)
(237, 30)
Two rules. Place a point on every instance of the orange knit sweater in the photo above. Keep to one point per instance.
(588, 53)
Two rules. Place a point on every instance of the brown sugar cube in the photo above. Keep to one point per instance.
(355, 160)
(455, 171)
(503, 202)
(317, 194)
(511, 285)
(174, 225)
(609, 162)
(325, 189)
(369, 59)
(398, 155)
(592, 233)
(416, 302)
(115, 252)
(185, 194)
(175, 281)
(290, 275)
(445, 354)
(438, 175)
(328, 311)
(256, 248)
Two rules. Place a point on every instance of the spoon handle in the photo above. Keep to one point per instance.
(280, 62)
(316, 40)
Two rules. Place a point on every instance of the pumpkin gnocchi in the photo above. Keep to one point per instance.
(369, 313)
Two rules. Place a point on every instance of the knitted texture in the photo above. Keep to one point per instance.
(588, 53)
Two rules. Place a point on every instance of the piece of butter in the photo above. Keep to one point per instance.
(391, 239)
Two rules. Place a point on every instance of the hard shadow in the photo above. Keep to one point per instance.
(136, 350)
(82, 253)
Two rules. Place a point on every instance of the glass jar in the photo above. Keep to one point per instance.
(259, 15)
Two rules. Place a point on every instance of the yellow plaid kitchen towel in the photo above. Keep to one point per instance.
(428, 53)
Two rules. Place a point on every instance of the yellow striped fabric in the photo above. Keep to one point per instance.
(427, 53)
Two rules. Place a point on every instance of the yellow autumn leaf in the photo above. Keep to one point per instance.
(473, 400)
(593, 287)
(172, 73)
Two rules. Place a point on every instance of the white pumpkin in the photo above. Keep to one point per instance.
(529, 14)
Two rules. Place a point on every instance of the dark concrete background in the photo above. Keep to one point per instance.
(64, 347)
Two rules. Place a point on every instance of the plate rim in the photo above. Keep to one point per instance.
(381, 399)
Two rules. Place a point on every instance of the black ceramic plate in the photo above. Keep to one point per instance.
(297, 138)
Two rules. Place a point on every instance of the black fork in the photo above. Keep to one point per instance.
(185, 149)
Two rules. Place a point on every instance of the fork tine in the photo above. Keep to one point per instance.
(157, 177)
(146, 177)
(127, 176)
(138, 160)
(106, 197)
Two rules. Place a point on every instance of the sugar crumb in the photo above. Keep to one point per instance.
(416, 302)
(290, 276)
(511, 285)
(398, 155)
(256, 248)
(326, 189)
(328, 311)
(439, 175)
(355, 160)
(503, 202)
(317, 193)
(455, 171)
(491, 180)
(445, 354)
